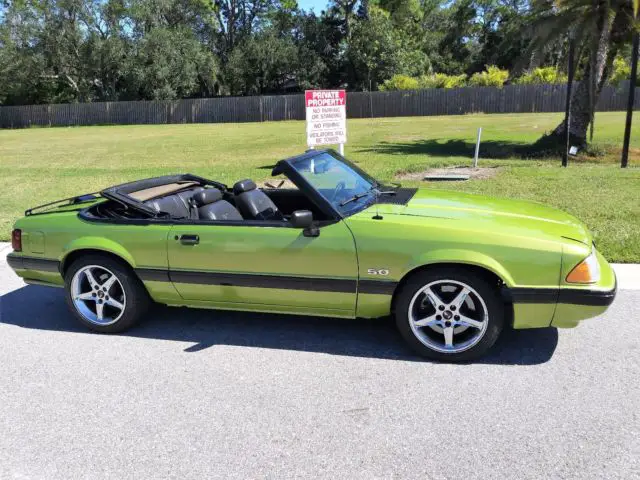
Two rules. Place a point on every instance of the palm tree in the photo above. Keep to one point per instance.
(599, 28)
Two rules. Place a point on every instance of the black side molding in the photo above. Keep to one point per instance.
(267, 281)
(377, 286)
(153, 274)
(532, 295)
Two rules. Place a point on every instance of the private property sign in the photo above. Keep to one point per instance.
(326, 117)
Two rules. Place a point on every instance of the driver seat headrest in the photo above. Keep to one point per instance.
(206, 197)
(244, 186)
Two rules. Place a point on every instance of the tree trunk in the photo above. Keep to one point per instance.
(581, 103)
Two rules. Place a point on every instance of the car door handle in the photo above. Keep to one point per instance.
(189, 239)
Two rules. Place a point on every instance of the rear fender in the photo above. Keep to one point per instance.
(97, 243)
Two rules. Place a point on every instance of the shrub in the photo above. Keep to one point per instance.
(400, 82)
(542, 75)
(621, 72)
(441, 80)
(491, 77)
(438, 80)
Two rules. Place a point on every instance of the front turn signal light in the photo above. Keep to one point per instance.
(587, 271)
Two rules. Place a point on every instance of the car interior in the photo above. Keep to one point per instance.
(245, 201)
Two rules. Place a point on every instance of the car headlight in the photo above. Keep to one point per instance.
(587, 271)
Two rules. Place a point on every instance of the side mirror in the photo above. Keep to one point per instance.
(304, 219)
(301, 219)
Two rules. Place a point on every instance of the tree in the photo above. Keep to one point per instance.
(167, 64)
(598, 28)
(262, 63)
(373, 50)
(238, 19)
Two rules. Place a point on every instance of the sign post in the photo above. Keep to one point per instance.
(326, 118)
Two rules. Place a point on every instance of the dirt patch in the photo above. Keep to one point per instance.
(479, 173)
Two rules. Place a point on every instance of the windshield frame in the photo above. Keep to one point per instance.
(287, 168)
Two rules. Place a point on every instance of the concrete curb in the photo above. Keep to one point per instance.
(628, 273)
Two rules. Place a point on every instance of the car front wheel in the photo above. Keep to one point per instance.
(104, 294)
(449, 314)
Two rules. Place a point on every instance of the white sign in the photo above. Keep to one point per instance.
(326, 117)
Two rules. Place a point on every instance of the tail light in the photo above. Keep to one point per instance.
(16, 240)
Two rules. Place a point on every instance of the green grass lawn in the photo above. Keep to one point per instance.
(41, 165)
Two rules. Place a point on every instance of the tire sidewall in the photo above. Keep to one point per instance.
(135, 293)
(489, 293)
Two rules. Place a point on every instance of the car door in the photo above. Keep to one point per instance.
(247, 265)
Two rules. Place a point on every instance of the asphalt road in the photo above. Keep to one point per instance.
(199, 394)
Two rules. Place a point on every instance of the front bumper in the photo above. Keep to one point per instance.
(577, 304)
(564, 306)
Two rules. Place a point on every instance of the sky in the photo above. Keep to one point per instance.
(315, 5)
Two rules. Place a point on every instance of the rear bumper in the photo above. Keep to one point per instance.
(21, 262)
(37, 270)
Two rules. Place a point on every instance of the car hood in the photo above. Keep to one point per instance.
(496, 212)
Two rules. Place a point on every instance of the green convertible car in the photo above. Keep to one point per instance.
(452, 268)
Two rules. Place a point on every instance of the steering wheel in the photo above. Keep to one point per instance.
(340, 187)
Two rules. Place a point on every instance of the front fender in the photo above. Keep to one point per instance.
(97, 243)
(461, 256)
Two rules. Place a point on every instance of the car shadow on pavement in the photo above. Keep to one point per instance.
(44, 308)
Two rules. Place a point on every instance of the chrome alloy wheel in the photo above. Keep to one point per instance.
(448, 316)
(98, 295)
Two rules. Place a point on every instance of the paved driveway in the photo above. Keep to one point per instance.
(203, 394)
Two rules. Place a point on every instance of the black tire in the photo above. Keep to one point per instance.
(137, 298)
(482, 286)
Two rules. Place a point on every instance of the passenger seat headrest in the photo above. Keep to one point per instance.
(244, 186)
(207, 196)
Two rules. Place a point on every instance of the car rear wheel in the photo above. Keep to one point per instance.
(449, 314)
(104, 294)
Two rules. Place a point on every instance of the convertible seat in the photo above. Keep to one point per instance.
(177, 205)
(253, 203)
(211, 206)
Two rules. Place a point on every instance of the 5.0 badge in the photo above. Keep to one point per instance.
(378, 271)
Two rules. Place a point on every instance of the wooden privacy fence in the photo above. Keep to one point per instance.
(509, 99)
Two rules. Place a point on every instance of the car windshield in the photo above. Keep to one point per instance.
(341, 183)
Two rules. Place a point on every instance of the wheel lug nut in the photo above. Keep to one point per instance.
(453, 307)
(457, 317)
(438, 317)
(441, 307)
